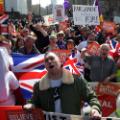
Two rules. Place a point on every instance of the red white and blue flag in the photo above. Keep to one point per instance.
(30, 68)
(4, 24)
(113, 44)
(73, 65)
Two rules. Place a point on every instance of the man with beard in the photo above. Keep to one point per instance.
(60, 91)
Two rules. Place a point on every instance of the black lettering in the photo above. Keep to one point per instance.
(74, 8)
(78, 8)
(54, 117)
(63, 118)
(49, 117)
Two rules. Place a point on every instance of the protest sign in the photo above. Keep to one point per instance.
(59, 13)
(85, 15)
(17, 113)
(107, 94)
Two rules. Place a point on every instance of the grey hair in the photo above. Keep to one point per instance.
(105, 45)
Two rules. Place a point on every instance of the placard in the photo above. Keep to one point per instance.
(85, 15)
(17, 113)
(59, 13)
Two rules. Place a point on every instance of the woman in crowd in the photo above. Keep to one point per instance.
(19, 43)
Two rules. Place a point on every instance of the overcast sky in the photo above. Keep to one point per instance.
(45, 3)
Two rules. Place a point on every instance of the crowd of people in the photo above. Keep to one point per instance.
(59, 90)
(40, 38)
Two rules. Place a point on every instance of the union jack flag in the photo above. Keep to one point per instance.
(3, 24)
(73, 65)
(112, 44)
(30, 68)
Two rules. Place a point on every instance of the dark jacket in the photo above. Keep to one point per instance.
(41, 41)
(73, 91)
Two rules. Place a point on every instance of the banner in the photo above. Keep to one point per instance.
(85, 15)
(17, 113)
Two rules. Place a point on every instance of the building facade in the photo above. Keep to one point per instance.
(16, 6)
(29, 5)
